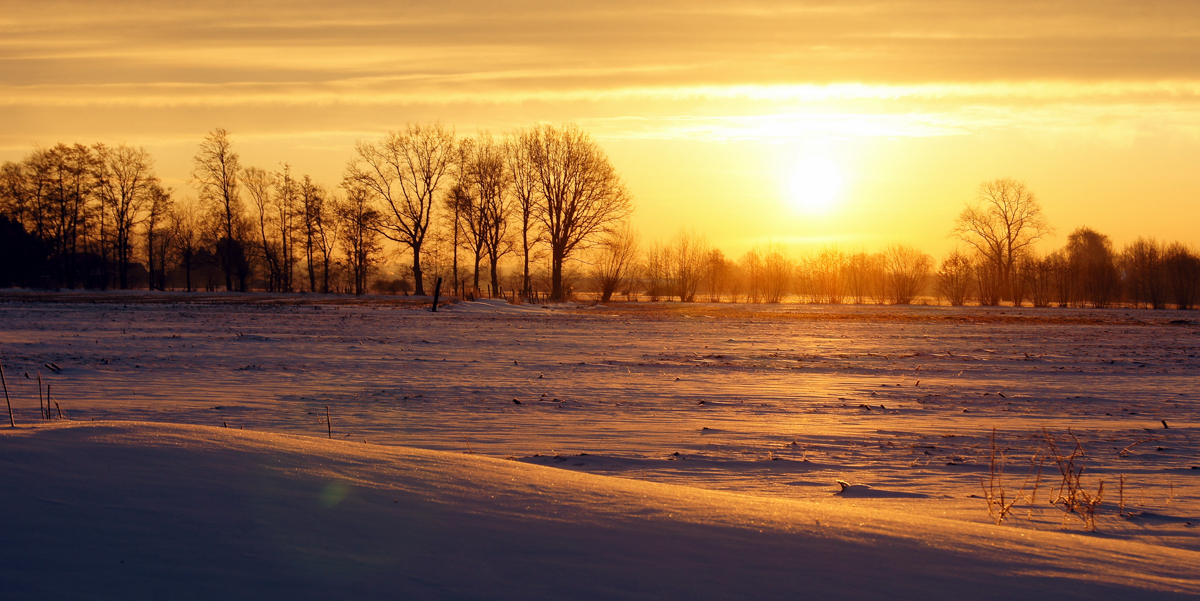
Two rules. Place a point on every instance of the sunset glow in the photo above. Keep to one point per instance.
(814, 185)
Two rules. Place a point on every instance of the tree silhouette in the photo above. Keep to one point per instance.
(1002, 224)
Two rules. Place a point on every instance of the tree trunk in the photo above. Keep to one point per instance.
(556, 264)
(475, 285)
(526, 283)
(495, 260)
(418, 283)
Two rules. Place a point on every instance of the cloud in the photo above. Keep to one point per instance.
(682, 43)
(716, 69)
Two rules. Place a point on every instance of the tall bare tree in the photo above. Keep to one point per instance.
(1003, 223)
(159, 235)
(519, 149)
(359, 234)
(467, 202)
(404, 172)
(187, 230)
(1092, 259)
(492, 185)
(1142, 262)
(260, 186)
(458, 204)
(716, 274)
(319, 233)
(126, 185)
(70, 184)
(287, 210)
(581, 194)
(216, 173)
(689, 252)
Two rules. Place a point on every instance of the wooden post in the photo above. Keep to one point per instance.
(437, 290)
(11, 422)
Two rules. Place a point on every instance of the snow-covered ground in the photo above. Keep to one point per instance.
(773, 403)
(152, 511)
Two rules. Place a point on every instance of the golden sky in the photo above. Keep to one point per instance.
(708, 108)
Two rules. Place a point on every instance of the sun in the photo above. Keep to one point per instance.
(814, 185)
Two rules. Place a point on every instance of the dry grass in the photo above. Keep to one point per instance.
(1073, 494)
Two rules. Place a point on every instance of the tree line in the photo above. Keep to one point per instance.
(79, 216)
(543, 201)
(995, 264)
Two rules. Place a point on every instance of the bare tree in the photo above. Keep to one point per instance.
(126, 183)
(776, 275)
(15, 197)
(216, 173)
(319, 232)
(751, 266)
(260, 185)
(159, 235)
(826, 271)
(1062, 278)
(907, 269)
(404, 172)
(716, 274)
(1041, 280)
(519, 151)
(1142, 262)
(858, 270)
(1003, 223)
(688, 255)
(581, 194)
(493, 185)
(287, 209)
(614, 258)
(657, 271)
(1091, 256)
(70, 182)
(954, 278)
(358, 222)
(1182, 266)
(480, 199)
(458, 202)
(185, 223)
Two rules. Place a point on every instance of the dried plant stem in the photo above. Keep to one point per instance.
(328, 424)
(11, 422)
(1121, 495)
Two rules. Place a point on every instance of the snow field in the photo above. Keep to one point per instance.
(775, 402)
(133, 510)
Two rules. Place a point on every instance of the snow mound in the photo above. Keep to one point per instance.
(111, 510)
(493, 305)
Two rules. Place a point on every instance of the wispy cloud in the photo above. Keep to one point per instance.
(707, 68)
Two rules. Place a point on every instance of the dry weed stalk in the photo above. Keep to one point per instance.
(1124, 452)
(1072, 497)
(999, 505)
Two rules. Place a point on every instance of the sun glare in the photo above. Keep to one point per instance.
(814, 185)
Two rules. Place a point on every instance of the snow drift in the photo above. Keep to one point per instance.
(111, 510)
